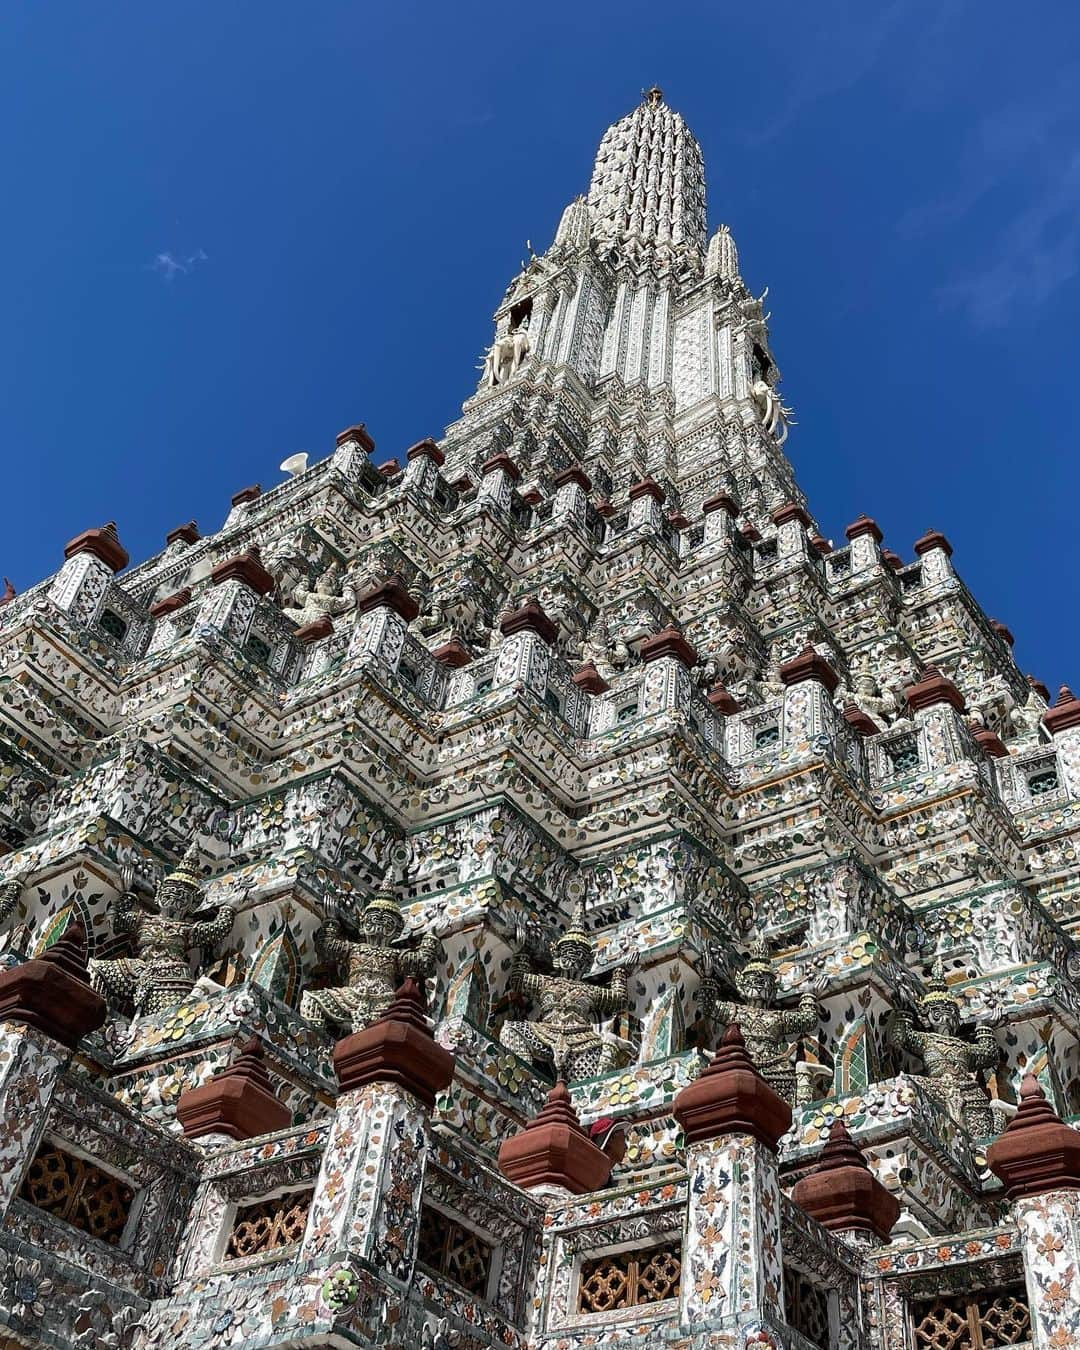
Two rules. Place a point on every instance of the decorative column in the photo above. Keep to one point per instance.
(167, 627)
(732, 1122)
(937, 705)
(936, 554)
(237, 1103)
(571, 499)
(422, 464)
(792, 522)
(864, 535)
(46, 1007)
(720, 513)
(384, 613)
(668, 659)
(1038, 1160)
(524, 657)
(353, 449)
(367, 1199)
(810, 683)
(241, 503)
(91, 560)
(646, 498)
(1062, 721)
(238, 585)
(497, 485)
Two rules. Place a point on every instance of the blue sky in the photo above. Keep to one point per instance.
(232, 228)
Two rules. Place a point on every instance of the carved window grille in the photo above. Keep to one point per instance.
(903, 755)
(1043, 782)
(766, 552)
(257, 650)
(79, 1193)
(449, 1248)
(630, 1279)
(627, 712)
(977, 1321)
(807, 1308)
(766, 737)
(484, 686)
(268, 1225)
(113, 624)
(553, 701)
(408, 675)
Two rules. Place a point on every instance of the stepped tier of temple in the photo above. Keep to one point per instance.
(541, 887)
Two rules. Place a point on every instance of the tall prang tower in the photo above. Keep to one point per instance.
(537, 891)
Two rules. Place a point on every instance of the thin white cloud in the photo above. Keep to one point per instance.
(170, 265)
(1020, 167)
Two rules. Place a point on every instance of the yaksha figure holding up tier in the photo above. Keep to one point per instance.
(159, 975)
(952, 1064)
(565, 1036)
(375, 965)
(770, 1032)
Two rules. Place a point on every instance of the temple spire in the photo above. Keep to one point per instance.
(647, 195)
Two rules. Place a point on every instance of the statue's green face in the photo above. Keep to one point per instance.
(757, 987)
(572, 959)
(943, 1017)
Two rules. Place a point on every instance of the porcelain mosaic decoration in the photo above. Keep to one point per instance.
(548, 751)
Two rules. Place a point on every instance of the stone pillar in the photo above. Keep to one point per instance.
(352, 452)
(936, 554)
(524, 656)
(237, 1103)
(720, 513)
(497, 485)
(571, 499)
(668, 659)
(46, 1007)
(230, 603)
(367, 1198)
(792, 523)
(864, 535)
(167, 626)
(383, 616)
(423, 462)
(1038, 1160)
(810, 683)
(646, 498)
(90, 561)
(937, 705)
(732, 1267)
(1062, 721)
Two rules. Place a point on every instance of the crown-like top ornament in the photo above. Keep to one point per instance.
(576, 934)
(937, 988)
(187, 871)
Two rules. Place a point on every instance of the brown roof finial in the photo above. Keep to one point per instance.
(239, 1101)
(731, 1097)
(1037, 1152)
(398, 1048)
(52, 991)
(554, 1150)
(842, 1194)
